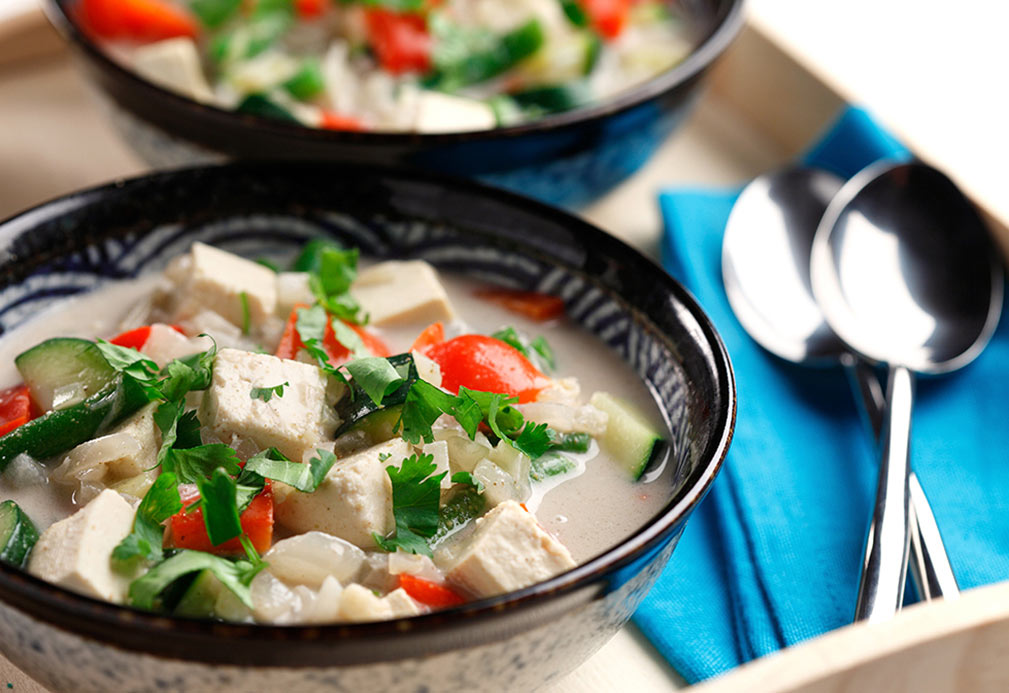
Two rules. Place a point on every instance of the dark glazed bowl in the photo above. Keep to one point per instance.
(569, 159)
(517, 641)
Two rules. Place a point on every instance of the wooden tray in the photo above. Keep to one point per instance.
(767, 100)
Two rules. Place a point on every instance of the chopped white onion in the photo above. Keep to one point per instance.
(423, 567)
(24, 472)
(308, 559)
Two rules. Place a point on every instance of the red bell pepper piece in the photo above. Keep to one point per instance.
(608, 17)
(430, 593)
(535, 306)
(188, 531)
(400, 40)
(334, 121)
(15, 408)
(310, 9)
(483, 363)
(432, 334)
(290, 341)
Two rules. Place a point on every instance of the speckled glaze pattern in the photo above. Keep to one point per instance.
(513, 642)
(567, 159)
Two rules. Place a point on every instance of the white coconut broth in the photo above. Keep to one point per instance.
(589, 509)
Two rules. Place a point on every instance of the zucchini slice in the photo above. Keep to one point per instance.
(62, 429)
(630, 439)
(356, 408)
(63, 371)
(17, 534)
(200, 597)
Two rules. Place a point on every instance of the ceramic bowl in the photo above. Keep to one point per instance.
(569, 159)
(518, 641)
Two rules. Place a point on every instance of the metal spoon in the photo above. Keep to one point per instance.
(907, 275)
(765, 264)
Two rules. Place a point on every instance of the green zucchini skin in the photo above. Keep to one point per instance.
(18, 534)
(63, 361)
(60, 430)
(356, 405)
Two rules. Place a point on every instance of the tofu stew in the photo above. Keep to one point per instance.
(326, 444)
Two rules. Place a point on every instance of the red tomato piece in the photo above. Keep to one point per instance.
(432, 334)
(187, 530)
(310, 9)
(138, 20)
(290, 341)
(533, 305)
(608, 17)
(334, 121)
(483, 363)
(400, 40)
(430, 593)
(137, 338)
(15, 408)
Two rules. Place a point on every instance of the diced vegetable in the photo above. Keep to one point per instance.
(214, 13)
(17, 534)
(291, 341)
(608, 17)
(138, 20)
(483, 363)
(466, 58)
(335, 121)
(63, 371)
(430, 593)
(310, 9)
(432, 334)
(188, 531)
(199, 598)
(630, 439)
(542, 101)
(400, 40)
(15, 408)
(465, 504)
(535, 306)
(307, 82)
(259, 105)
(356, 408)
(63, 429)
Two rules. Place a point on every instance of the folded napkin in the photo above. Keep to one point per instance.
(772, 556)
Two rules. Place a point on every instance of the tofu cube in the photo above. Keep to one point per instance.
(295, 422)
(174, 64)
(353, 501)
(76, 552)
(359, 603)
(141, 428)
(213, 279)
(508, 551)
(438, 112)
(398, 292)
(292, 289)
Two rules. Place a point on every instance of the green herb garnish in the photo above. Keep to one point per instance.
(243, 298)
(267, 393)
(159, 503)
(415, 498)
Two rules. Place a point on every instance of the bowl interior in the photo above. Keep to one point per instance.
(81, 242)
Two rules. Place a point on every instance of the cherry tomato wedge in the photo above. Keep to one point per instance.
(432, 334)
(310, 9)
(15, 408)
(608, 17)
(137, 20)
(430, 593)
(533, 305)
(137, 338)
(290, 341)
(187, 530)
(400, 40)
(334, 121)
(483, 363)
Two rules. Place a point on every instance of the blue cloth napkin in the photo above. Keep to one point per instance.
(772, 555)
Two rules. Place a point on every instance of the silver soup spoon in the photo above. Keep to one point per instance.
(765, 265)
(906, 274)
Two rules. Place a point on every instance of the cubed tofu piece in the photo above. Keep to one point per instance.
(398, 292)
(215, 280)
(353, 502)
(295, 422)
(174, 64)
(292, 289)
(76, 552)
(439, 112)
(141, 428)
(508, 551)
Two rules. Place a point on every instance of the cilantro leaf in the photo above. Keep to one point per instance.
(538, 350)
(311, 323)
(235, 575)
(267, 393)
(271, 464)
(376, 376)
(416, 495)
(183, 375)
(132, 363)
(350, 339)
(467, 478)
(330, 284)
(220, 507)
(193, 465)
(243, 298)
(542, 347)
(310, 258)
(424, 404)
(534, 440)
(159, 503)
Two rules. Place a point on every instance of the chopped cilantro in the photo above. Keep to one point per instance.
(534, 440)
(383, 456)
(376, 376)
(193, 465)
(310, 258)
(415, 498)
(218, 501)
(350, 339)
(330, 283)
(270, 464)
(243, 297)
(424, 404)
(159, 503)
(466, 478)
(311, 326)
(235, 575)
(538, 350)
(267, 393)
(542, 347)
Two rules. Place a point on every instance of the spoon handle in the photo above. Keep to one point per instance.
(884, 570)
(930, 566)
